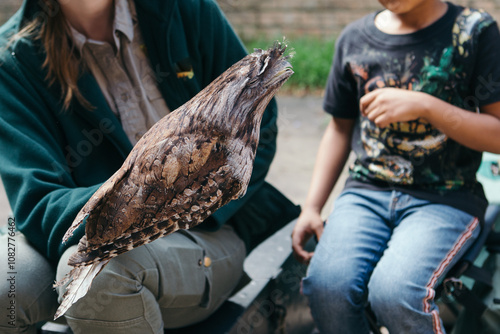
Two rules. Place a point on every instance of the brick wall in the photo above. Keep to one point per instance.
(321, 18)
(291, 18)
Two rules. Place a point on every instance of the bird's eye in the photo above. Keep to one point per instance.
(264, 65)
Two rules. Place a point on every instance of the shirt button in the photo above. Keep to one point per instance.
(125, 97)
(207, 262)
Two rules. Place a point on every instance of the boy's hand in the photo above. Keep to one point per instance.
(308, 225)
(389, 105)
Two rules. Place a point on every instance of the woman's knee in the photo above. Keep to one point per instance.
(119, 297)
(27, 293)
(116, 291)
(108, 309)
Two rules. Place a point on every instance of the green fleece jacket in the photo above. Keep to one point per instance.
(52, 161)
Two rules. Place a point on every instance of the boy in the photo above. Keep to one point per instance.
(403, 92)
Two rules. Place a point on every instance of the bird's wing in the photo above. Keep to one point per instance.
(165, 126)
(98, 197)
(195, 171)
(162, 172)
(200, 183)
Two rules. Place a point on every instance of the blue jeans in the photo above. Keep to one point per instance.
(390, 249)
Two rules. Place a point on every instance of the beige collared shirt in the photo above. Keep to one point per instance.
(124, 73)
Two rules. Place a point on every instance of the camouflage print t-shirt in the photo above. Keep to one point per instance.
(456, 59)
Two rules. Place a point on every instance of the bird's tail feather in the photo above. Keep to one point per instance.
(80, 279)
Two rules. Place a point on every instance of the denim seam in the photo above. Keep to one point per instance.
(444, 264)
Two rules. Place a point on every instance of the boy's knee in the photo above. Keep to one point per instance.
(390, 292)
(331, 284)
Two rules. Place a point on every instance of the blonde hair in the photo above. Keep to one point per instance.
(63, 61)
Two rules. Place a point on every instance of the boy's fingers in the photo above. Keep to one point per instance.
(366, 100)
(299, 239)
(302, 256)
(372, 112)
(381, 121)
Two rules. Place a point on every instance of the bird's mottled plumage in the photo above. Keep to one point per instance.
(183, 169)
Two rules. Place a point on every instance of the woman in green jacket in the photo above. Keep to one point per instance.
(80, 82)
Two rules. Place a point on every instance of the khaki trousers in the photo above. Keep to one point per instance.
(172, 282)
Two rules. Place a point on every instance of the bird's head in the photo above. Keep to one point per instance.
(240, 95)
(260, 75)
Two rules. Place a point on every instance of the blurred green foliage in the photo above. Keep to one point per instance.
(311, 61)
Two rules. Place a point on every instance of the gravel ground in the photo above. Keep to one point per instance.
(301, 124)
